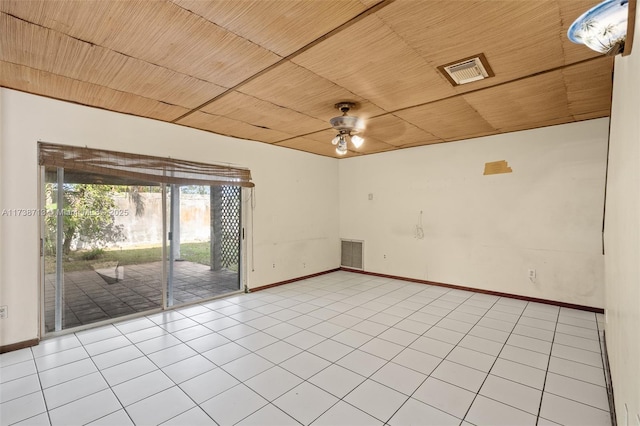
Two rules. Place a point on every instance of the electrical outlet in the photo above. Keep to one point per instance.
(532, 274)
(4, 312)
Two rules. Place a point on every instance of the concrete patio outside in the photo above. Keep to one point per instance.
(89, 298)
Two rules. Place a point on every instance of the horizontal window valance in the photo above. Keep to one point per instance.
(141, 167)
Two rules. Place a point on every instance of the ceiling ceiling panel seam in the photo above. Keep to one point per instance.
(94, 84)
(493, 86)
(357, 18)
(459, 95)
(223, 28)
(106, 48)
(77, 102)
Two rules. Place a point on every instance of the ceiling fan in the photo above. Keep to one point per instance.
(348, 128)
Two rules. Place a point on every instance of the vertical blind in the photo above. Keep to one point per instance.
(141, 167)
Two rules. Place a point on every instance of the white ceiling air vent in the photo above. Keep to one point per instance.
(467, 70)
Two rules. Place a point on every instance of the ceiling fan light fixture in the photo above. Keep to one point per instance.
(341, 149)
(357, 141)
(346, 122)
(602, 28)
(347, 126)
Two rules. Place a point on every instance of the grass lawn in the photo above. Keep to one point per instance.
(77, 260)
(196, 252)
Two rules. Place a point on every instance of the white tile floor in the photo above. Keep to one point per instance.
(338, 349)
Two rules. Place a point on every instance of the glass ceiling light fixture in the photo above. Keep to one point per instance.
(602, 28)
(348, 128)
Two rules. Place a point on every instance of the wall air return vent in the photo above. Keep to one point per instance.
(352, 254)
(467, 70)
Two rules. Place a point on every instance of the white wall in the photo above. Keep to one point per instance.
(487, 231)
(296, 194)
(480, 231)
(622, 237)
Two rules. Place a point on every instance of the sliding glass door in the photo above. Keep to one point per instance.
(204, 235)
(102, 248)
(116, 246)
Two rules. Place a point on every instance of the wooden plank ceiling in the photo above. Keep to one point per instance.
(271, 71)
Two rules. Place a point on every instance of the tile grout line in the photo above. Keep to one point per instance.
(378, 369)
(335, 363)
(144, 355)
(37, 373)
(455, 346)
(182, 342)
(406, 347)
(122, 407)
(606, 371)
(197, 353)
(254, 352)
(494, 362)
(198, 405)
(303, 380)
(546, 373)
(443, 359)
(315, 287)
(217, 366)
(46, 405)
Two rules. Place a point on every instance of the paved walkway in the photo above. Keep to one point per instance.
(89, 297)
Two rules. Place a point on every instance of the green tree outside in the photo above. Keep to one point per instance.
(88, 214)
